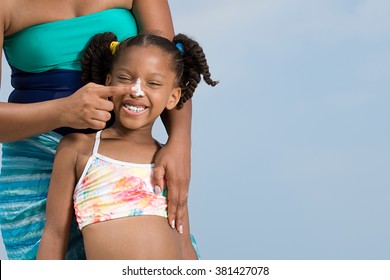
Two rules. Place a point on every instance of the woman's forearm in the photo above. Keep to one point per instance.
(19, 121)
(178, 124)
(88, 107)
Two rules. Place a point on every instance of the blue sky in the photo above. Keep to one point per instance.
(291, 150)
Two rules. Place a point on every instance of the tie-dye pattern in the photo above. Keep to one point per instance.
(111, 189)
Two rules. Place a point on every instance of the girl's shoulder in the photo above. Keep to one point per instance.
(79, 142)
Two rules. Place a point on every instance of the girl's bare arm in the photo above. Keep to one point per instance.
(59, 208)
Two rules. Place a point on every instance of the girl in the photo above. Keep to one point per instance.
(105, 178)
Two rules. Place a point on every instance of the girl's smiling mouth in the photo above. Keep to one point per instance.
(135, 109)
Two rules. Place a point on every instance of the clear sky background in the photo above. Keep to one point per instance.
(291, 151)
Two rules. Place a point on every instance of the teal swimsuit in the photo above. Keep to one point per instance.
(60, 44)
(45, 63)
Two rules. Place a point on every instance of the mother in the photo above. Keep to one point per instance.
(43, 41)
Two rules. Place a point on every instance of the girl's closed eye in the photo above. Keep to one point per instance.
(125, 78)
(154, 84)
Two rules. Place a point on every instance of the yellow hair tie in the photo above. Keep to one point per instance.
(113, 46)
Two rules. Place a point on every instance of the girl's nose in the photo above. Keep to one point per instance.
(139, 92)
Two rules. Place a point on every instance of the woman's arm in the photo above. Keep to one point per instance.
(86, 108)
(173, 162)
(154, 16)
(19, 121)
(59, 208)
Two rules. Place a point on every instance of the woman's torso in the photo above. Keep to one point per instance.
(21, 14)
(46, 35)
(59, 45)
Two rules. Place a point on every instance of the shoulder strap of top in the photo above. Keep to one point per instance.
(97, 142)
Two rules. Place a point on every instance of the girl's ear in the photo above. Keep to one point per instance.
(108, 80)
(173, 98)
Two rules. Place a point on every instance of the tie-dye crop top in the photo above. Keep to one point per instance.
(110, 189)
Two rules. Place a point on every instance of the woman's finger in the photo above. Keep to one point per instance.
(108, 91)
(101, 115)
(173, 201)
(158, 178)
(180, 211)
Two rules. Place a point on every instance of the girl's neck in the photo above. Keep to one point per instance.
(123, 144)
(141, 135)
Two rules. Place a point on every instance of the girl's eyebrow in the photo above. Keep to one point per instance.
(151, 74)
(157, 74)
(124, 69)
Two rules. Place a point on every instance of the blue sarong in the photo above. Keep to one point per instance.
(24, 182)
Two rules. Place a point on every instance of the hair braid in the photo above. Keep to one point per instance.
(195, 67)
(97, 59)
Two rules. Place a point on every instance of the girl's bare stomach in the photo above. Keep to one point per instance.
(136, 237)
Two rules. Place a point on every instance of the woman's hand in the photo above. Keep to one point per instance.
(173, 170)
(89, 107)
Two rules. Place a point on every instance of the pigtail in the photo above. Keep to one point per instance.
(195, 66)
(97, 59)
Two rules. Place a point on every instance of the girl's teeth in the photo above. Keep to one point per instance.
(134, 108)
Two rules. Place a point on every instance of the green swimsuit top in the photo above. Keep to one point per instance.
(60, 44)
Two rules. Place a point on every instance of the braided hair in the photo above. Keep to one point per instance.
(188, 60)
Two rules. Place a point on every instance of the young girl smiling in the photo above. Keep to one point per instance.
(105, 178)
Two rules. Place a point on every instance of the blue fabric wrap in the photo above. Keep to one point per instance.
(24, 181)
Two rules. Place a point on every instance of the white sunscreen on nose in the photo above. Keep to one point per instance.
(139, 89)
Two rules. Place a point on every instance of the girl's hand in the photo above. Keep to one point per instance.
(173, 170)
(89, 106)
